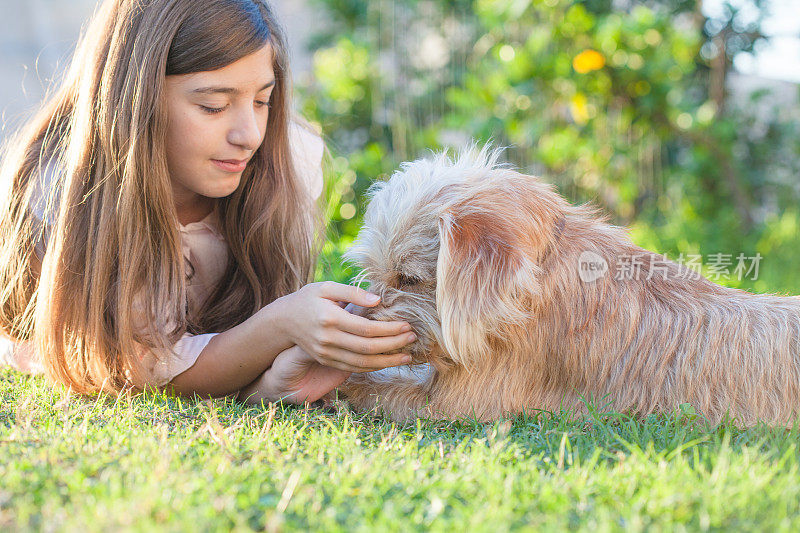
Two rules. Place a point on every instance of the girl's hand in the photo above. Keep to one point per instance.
(295, 377)
(316, 322)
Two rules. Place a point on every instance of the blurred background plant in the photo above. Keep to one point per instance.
(621, 103)
(647, 108)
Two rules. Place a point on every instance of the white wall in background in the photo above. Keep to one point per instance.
(780, 58)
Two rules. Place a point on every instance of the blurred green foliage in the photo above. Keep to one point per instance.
(624, 107)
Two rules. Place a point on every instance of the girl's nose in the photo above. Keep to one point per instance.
(246, 132)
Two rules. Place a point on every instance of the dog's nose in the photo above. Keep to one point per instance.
(355, 309)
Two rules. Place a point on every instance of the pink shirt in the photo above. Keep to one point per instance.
(205, 247)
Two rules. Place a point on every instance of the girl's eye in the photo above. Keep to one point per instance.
(215, 110)
(212, 110)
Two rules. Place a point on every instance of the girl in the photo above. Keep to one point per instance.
(158, 218)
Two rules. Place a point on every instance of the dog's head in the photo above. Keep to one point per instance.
(455, 248)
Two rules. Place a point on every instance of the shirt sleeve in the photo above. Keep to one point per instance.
(21, 357)
(307, 150)
(185, 353)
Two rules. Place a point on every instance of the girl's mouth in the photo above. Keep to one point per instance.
(231, 165)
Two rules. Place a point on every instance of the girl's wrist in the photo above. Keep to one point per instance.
(273, 323)
(267, 387)
(262, 389)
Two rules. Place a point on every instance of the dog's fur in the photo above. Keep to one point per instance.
(482, 261)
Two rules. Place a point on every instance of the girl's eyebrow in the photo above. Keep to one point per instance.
(226, 90)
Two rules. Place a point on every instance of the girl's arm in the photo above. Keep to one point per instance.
(234, 358)
(312, 318)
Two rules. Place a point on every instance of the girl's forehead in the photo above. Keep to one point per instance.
(252, 73)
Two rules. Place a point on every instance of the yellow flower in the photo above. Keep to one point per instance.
(587, 61)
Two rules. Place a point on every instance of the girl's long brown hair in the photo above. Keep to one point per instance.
(113, 234)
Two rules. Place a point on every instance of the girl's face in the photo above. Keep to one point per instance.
(217, 120)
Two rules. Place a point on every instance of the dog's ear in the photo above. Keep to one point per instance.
(487, 271)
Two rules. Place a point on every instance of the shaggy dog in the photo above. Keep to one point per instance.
(511, 293)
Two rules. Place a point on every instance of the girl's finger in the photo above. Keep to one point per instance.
(364, 327)
(348, 293)
(371, 346)
(355, 362)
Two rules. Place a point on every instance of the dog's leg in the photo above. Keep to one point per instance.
(399, 393)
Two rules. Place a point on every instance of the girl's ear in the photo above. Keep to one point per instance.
(487, 270)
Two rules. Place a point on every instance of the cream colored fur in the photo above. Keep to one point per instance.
(483, 262)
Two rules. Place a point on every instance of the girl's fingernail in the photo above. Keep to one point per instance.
(405, 328)
(407, 359)
(372, 298)
(411, 337)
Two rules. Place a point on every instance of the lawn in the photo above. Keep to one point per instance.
(153, 461)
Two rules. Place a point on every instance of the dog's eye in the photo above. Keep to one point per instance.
(403, 280)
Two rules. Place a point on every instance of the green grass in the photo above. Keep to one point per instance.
(152, 461)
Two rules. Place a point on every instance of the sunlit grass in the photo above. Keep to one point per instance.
(153, 461)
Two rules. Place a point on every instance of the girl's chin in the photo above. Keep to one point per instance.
(222, 188)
